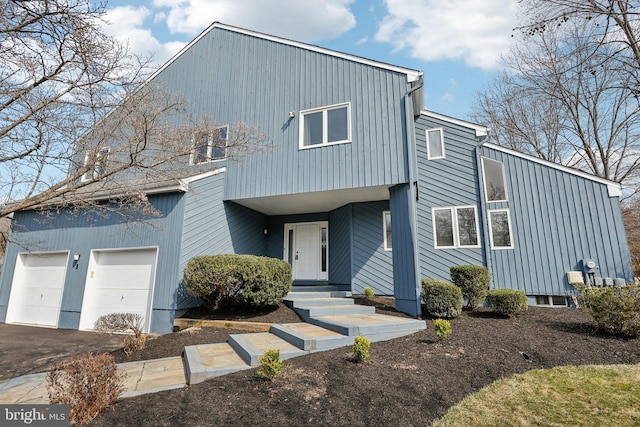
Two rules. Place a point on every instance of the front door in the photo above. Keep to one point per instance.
(306, 249)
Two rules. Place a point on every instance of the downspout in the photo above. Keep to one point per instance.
(484, 214)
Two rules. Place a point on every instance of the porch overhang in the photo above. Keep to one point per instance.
(319, 201)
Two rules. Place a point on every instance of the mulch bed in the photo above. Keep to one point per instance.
(409, 381)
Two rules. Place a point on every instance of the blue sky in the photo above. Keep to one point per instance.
(456, 43)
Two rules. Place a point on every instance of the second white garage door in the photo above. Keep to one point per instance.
(119, 281)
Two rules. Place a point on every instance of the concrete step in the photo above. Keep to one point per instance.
(211, 360)
(315, 302)
(376, 327)
(329, 310)
(251, 347)
(320, 288)
(311, 337)
(332, 294)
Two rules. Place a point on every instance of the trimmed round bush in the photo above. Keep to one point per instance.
(241, 280)
(441, 298)
(473, 281)
(508, 301)
(614, 309)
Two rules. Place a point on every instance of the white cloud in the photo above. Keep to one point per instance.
(474, 31)
(296, 19)
(126, 23)
(447, 97)
(453, 83)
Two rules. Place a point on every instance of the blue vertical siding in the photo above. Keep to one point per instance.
(372, 265)
(340, 247)
(80, 233)
(406, 272)
(234, 77)
(447, 182)
(557, 219)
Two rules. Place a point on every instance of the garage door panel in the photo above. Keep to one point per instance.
(119, 281)
(36, 290)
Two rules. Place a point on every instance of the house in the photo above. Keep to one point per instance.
(363, 187)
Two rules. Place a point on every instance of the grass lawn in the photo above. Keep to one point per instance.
(566, 395)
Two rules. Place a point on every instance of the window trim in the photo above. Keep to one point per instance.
(325, 133)
(209, 147)
(499, 248)
(484, 181)
(454, 224)
(441, 131)
(387, 246)
(93, 173)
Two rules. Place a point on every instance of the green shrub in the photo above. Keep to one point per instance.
(86, 383)
(361, 348)
(614, 309)
(473, 281)
(442, 328)
(508, 301)
(441, 298)
(270, 364)
(243, 280)
(368, 292)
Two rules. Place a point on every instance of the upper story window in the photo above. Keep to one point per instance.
(495, 186)
(455, 227)
(208, 147)
(98, 162)
(325, 126)
(435, 144)
(386, 226)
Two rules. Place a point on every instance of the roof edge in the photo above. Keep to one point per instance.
(412, 75)
(614, 188)
(480, 130)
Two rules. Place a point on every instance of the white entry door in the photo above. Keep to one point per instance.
(36, 291)
(306, 248)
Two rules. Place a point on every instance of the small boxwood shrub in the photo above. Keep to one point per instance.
(361, 347)
(473, 281)
(442, 328)
(368, 292)
(242, 280)
(508, 301)
(270, 364)
(441, 298)
(614, 309)
(86, 383)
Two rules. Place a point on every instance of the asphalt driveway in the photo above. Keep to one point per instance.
(28, 349)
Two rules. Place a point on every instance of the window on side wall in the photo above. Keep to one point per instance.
(500, 229)
(386, 225)
(209, 147)
(495, 187)
(99, 163)
(435, 144)
(455, 227)
(325, 126)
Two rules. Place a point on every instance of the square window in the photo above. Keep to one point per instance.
(435, 144)
(325, 126)
(208, 147)
(386, 225)
(500, 229)
(495, 187)
(98, 163)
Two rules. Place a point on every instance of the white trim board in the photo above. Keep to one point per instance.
(480, 130)
(614, 188)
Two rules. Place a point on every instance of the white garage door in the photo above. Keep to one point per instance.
(119, 281)
(36, 290)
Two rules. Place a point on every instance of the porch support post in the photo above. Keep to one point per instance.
(406, 271)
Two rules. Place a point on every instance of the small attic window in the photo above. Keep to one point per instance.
(208, 147)
(435, 144)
